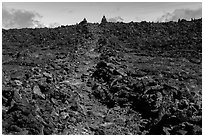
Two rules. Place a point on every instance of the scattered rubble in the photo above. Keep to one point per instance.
(94, 79)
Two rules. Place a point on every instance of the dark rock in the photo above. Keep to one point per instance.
(83, 22)
(17, 76)
(7, 94)
(103, 20)
(97, 131)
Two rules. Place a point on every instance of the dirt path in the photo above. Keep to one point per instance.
(93, 111)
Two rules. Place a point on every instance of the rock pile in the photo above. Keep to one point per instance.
(159, 103)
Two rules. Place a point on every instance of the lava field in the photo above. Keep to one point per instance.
(136, 78)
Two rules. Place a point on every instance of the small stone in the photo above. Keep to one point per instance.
(64, 115)
(17, 76)
(116, 108)
(18, 82)
(54, 101)
(37, 91)
(106, 124)
(47, 75)
(72, 82)
(121, 71)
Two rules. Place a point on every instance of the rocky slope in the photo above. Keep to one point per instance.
(105, 79)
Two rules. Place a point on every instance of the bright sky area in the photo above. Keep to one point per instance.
(63, 13)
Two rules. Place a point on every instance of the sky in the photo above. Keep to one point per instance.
(52, 14)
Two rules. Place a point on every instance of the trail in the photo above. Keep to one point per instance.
(93, 110)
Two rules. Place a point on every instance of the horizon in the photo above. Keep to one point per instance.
(93, 23)
(48, 14)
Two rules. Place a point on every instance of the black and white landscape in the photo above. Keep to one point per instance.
(106, 78)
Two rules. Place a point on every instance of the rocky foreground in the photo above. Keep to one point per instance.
(103, 79)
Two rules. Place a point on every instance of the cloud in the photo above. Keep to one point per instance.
(116, 19)
(53, 25)
(16, 18)
(181, 14)
(38, 24)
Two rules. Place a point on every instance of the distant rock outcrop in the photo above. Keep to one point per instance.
(103, 21)
(83, 22)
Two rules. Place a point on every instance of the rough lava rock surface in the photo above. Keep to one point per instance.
(103, 79)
